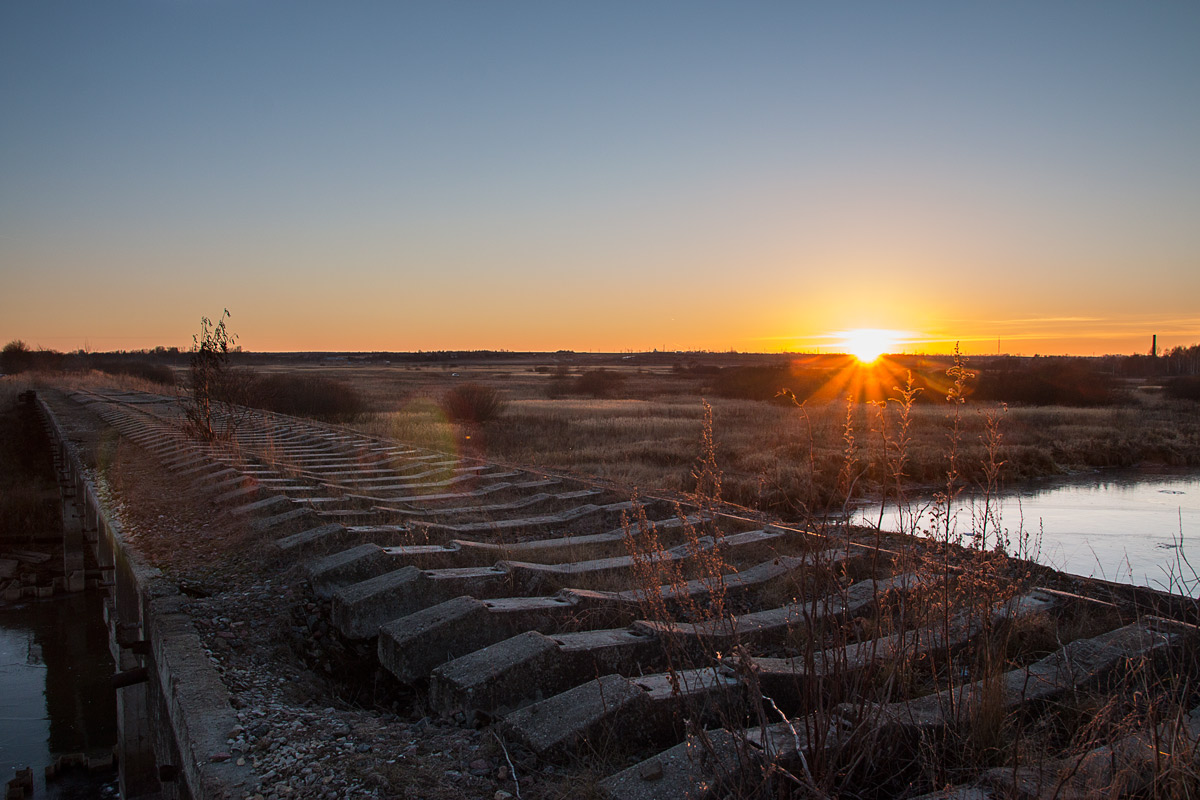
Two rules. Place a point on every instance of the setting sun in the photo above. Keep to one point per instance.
(868, 344)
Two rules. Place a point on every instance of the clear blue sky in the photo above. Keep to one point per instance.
(600, 176)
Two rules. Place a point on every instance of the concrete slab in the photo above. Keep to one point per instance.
(358, 610)
(411, 647)
(407, 488)
(499, 676)
(294, 521)
(322, 535)
(532, 666)
(590, 713)
(350, 566)
(1079, 663)
(792, 681)
(275, 504)
(452, 497)
(538, 499)
(596, 516)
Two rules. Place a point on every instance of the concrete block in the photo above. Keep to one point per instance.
(588, 712)
(498, 676)
(410, 647)
(531, 666)
(359, 609)
(350, 566)
(321, 535)
(294, 521)
(1079, 663)
(275, 504)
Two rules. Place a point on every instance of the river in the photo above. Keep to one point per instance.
(56, 693)
(1126, 526)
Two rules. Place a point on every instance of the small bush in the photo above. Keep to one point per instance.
(472, 403)
(307, 396)
(767, 383)
(1052, 382)
(154, 373)
(1183, 388)
(598, 383)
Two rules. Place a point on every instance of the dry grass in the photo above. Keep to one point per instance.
(784, 459)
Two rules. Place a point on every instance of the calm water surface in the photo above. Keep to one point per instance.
(1122, 526)
(56, 692)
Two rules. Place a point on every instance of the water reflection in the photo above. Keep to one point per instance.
(56, 694)
(1122, 526)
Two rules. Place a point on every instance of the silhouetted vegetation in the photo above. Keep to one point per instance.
(155, 373)
(767, 382)
(472, 403)
(1046, 382)
(1183, 388)
(593, 383)
(306, 396)
(15, 357)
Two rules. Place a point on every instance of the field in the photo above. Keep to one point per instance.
(644, 430)
(636, 420)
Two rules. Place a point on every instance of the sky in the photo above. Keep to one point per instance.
(1020, 177)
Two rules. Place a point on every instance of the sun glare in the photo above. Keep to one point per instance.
(868, 344)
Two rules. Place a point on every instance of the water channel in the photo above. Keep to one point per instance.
(56, 695)
(1128, 526)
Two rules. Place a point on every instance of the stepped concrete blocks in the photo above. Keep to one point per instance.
(347, 567)
(498, 676)
(359, 609)
(531, 666)
(294, 521)
(590, 712)
(410, 647)
(274, 504)
(1079, 663)
(313, 538)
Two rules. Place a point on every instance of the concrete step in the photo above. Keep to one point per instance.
(629, 712)
(1080, 663)
(359, 609)
(586, 518)
(400, 491)
(411, 647)
(831, 673)
(497, 490)
(772, 625)
(370, 560)
(531, 666)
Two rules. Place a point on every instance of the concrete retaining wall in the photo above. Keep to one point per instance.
(174, 723)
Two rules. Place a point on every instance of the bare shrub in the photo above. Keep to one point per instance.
(472, 403)
(217, 392)
(306, 395)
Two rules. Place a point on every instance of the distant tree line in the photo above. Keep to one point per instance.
(152, 365)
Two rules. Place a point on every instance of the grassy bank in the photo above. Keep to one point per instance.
(788, 459)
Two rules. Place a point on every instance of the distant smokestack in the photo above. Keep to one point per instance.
(1154, 346)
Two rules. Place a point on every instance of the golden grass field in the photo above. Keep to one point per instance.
(776, 457)
(779, 457)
